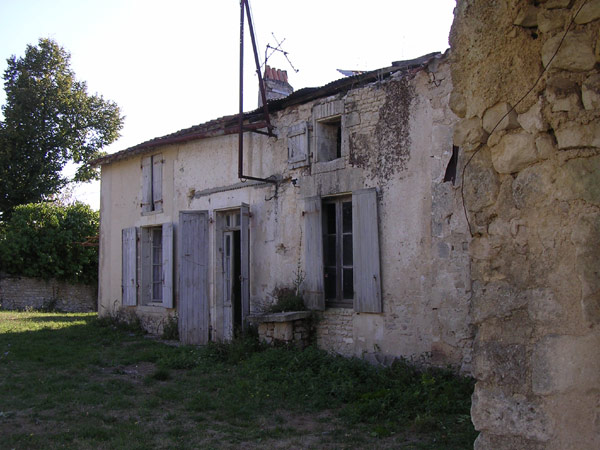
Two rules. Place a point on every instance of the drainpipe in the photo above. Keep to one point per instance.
(241, 176)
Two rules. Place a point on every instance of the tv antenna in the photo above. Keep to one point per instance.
(278, 49)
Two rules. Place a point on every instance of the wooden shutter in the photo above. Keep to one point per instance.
(193, 307)
(157, 166)
(314, 296)
(298, 145)
(167, 265)
(365, 246)
(245, 263)
(129, 274)
(147, 184)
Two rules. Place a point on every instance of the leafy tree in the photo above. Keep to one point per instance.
(49, 120)
(50, 240)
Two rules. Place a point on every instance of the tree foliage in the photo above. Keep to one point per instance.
(49, 120)
(46, 240)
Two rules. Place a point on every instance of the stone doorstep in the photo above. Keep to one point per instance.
(279, 317)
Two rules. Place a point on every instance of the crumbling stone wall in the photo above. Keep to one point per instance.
(532, 194)
(20, 293)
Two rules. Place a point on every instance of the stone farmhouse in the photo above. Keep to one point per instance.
(445, 209)
(361, 205)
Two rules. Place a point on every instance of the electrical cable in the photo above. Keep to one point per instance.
(462, 192)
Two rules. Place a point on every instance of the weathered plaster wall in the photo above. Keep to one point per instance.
(532, 195)
(397, 137)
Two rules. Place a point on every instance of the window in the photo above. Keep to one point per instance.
(152, 183)
(329, 139)
(337, 252)
(149, 276)
(341, 252)
(328, 133)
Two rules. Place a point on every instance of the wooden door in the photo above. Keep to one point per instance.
(193, 307)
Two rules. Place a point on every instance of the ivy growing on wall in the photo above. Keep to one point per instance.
(50, 240)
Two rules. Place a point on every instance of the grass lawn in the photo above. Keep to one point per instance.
(73, 381)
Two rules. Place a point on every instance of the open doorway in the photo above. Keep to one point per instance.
(232, 286)
(233, 283)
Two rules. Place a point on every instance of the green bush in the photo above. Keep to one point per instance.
(45, 240)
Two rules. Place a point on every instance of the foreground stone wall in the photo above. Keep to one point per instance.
(19, 293)
(532, 191)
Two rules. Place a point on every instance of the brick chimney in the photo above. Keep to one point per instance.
(276, 84)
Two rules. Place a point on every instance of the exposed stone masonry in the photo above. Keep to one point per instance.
(20, 293)
(532, 191)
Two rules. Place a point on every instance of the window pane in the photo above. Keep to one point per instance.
(329, 211)
(347, 251)
(347, 217)
(330, 282)
(329, 250)
(348, 283)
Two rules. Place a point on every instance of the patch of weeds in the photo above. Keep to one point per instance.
(122, 319)
(171, 329)
(235, 351)
(287, 300)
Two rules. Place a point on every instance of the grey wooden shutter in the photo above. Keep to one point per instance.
(129, 259)
(314, 296)
(365, 243)
(192, 308)
(167, 265)
(245, 263)
(147, 184)
(157, 166)
(298, 145)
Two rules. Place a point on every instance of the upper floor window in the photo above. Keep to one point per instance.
(152, 183)
(329, 138)
(328, 135)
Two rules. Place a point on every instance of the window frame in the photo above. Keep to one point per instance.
(342, 264)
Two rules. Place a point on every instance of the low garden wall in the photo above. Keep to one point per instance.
(19, 293)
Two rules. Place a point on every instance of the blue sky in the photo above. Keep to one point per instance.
(173, 64)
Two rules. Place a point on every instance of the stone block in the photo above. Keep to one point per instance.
(579, 179)
(496, 299)
(532, 120)
(590, 92)
(533, 186)
(576, 420)
(499, 413)
(481, 183)
(514, 152)
(589, 11)
(527, 17)
(500, 111)
(554, 4)
(563, 94)
(283, 331)
(549, 20)
(457, 104)
(469, 132)
(566, 363)
(576, 53)
(545, 145)
(542, 305)
(501, 365)
(573, 135)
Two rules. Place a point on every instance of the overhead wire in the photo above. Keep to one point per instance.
(462, 192)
